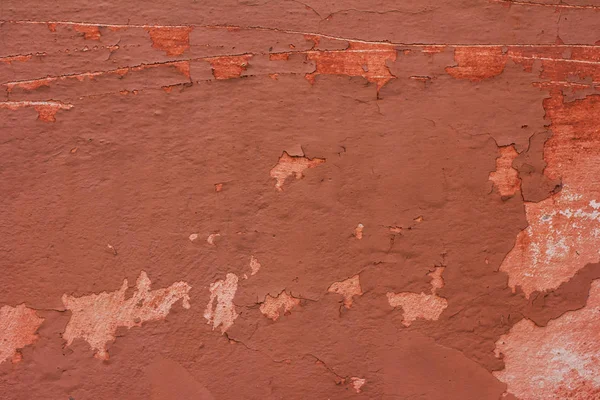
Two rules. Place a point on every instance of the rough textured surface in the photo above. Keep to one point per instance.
(350, 200)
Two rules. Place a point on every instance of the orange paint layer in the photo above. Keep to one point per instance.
(292, 166)
(564, 230)
(95, 318)
(46, 109)
(172, 40)
(228, 67)
(279, 56)
(89, 32)
(506, 178)
(477, 63)
(558, 361)
(367, 60)
(17, 330)
(348, 289)
(12, 59)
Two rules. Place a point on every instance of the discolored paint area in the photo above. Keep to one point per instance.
(333, 200)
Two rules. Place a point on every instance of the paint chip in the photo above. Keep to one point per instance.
(254, 265)
(193, 237)
(292, 166)
(272, 306)
(18, 326)
(358, 231)
(220, 311)
(96, 317)
(357, 383)
(506, 178)
(211, 238)
(558, 361)
(348, 289)
(174, 41)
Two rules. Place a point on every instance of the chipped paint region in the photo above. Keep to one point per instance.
(478, 63)
(46, 109)
(220, 310)
(18, 326)
(348, 289)
(358, 231)
(421, 306)
(90, 32)
(254, 265)
(173, 40)
(292, 166)
(558, 361)
(271, 307)
(211, 238)
(367, 60)
(357, 383)
(564, 230)
(506, 178)
(229, 67)
(95, 318)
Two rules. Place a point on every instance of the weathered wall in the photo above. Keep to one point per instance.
(294, 200)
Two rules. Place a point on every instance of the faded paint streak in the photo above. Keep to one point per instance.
(95, 318)
(228, 67)
(272, 306)
(367, 60)
(292, 166)
(558, 361)
(347, 288)
(18, 326)
(220, 310)
(564, 230)
(506, 178)
(172, 40)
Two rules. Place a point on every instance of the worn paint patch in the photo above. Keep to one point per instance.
(292, 166)
(174, 41)
(347, 288)
(421, 306)
(254, 265)
(220, 311)
(358, 231)
(46, 109)
(357, 383)
(211, 238)
(95, 318)
(564, 230)
(18, 326)
(506, 178)
(229, 67)
(367, 60)
(478, 63)
(90, 32)
(272, 306)
(558, 361)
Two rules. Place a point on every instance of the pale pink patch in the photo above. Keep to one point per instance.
(421, 306)
(95, 318)
(193, 237)
(17, 330)
(254, 265)
(564, 230)
(347, 288)
(437, 282)
(272, 306)
(357, 383)
(223, 312)
(506, 178)
(358, 231)
(558, 361)
(292, 166)
(211, 238)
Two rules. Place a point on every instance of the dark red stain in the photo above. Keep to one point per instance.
(228, 67)
(172, 40)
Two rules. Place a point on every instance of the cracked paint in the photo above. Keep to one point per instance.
(559, 360)
(220, 311)
(289, 166)
(272, 307)
(96, 317)
(18, 327)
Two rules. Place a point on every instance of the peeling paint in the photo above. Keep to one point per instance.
(46, 109)
(174, 41)
(506, 178)
(229, 67)
(89, 32)
(18, 327)
(357, 383)
(96, 317)
(220, 311)
(557, 361)
(292, 166)
(478, 63)
(358, 231)
(272, 306)
(347, 288)
(254, 265)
